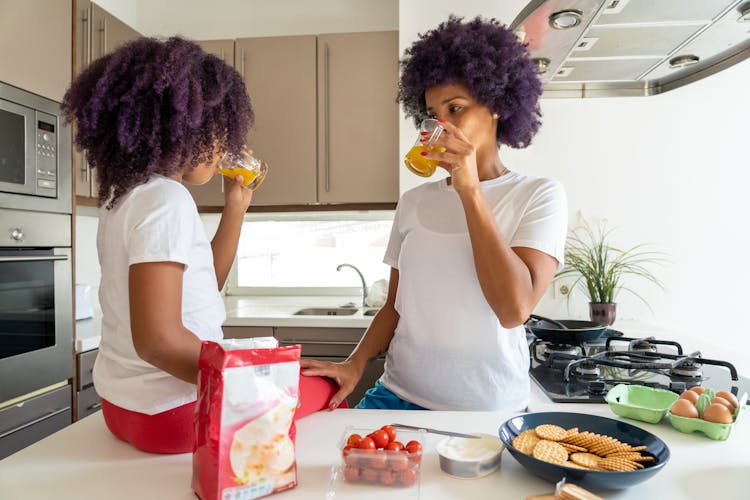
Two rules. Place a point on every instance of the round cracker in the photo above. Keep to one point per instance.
(526, 441)
(550, 432)
(550, 451)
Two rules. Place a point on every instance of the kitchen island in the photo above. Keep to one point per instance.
(84, 461)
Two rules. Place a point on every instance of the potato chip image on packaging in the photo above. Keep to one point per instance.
(247, 396)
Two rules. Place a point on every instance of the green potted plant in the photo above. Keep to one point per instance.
(599, 268)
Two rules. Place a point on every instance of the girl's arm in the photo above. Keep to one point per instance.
(159, 337)
(227, 237)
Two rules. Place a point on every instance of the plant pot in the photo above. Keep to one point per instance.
(603, 313)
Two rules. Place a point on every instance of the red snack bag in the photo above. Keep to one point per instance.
(247, 395)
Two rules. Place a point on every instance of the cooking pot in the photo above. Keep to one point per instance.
(568, 331)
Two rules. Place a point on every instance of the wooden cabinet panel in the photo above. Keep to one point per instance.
(280, 74)
(97, 33)
(358, 117)
(35, 40)
(211, 194)
(246, 332)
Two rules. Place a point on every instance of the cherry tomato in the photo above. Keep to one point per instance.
(369, 475)
(380, 437)
(407, 477)
(351, 473)
(349, 457)
(413, 446)
(366, 443)
(387, 477)
(398, 461)
(394, 446)
(377, 460)
(414, 449)
(354, 439)
(391, 431)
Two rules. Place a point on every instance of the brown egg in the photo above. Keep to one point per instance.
(684, 408)
(722, 401)
(729, 397)
(690, 396)
(717, 413)
(698, 389)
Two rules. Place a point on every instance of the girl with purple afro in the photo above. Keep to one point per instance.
(152, 115)
(472, 254)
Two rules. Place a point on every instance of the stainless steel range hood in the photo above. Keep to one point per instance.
(599, 48)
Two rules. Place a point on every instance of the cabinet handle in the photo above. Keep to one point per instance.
(40, 258)
(103, 31)
(86, 37)
(95, 406)
(326, 120)
(222, 55)
(315, 342)
(242, 62)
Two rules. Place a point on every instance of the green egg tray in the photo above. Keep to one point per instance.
(640, 402)
(718, 432)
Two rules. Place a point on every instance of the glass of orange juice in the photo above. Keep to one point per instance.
(252, 170)
(414, 161)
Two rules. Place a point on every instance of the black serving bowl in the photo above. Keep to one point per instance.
(625, 432)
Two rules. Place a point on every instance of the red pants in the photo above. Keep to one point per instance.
(173, 431)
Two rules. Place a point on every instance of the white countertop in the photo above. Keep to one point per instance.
(84, 461)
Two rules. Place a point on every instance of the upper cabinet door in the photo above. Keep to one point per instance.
(211, 194)
(280, 77)
(358, 118)
(35, 39)
(108, 32)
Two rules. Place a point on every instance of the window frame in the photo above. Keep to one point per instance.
(231, 288)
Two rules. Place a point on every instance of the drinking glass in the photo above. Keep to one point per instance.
(414, 161)
(252, 170)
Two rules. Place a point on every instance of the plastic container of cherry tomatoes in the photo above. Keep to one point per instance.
(367, 470)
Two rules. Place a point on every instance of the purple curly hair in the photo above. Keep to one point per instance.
(155, 106)
(489, 60)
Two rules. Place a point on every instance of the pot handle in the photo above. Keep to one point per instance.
(552, 321)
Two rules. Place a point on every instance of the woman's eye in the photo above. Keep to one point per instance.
(455, 109)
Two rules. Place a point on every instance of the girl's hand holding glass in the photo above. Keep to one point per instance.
(252, 170)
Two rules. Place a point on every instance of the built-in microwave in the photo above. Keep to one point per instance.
(35, 153)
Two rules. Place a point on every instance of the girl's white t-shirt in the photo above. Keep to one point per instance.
(449, 351)
(154, 222)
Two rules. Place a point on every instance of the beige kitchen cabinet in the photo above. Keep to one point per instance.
(326, 119)
(246, 332)
(280, 75)
(35, 40)
(358, 118)
(97, 32)
(211, 194)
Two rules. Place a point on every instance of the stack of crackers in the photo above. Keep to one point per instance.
(580, 450)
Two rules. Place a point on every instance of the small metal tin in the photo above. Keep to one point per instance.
(470, 458)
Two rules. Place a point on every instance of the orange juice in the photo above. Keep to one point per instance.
(419, 164)
(248, 176)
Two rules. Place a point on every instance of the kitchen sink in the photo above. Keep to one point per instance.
(326, 311)
(370, 312)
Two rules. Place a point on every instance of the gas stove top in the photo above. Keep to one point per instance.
(584, 373)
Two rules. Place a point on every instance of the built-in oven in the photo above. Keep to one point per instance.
(35, 153)
(36, 326)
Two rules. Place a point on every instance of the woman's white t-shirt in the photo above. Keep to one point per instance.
(154, 222)
(449, 351)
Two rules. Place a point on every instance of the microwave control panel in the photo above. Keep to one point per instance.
(46, 155)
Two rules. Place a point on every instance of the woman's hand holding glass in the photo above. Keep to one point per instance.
(457, 155)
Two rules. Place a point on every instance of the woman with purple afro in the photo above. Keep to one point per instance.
(152, 115)
(470, 255)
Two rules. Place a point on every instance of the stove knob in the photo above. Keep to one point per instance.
(678, 387)
(16, 234)
(597, 387)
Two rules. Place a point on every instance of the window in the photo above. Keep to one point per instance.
(291, 254)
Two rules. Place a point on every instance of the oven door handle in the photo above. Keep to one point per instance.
(34, 258)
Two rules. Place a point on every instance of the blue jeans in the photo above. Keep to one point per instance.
(380, 398)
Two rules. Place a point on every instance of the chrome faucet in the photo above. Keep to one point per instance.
(364, 283)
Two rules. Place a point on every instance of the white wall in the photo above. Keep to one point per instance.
(124, 10)
(219, 19)
(671, 170)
